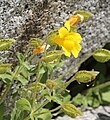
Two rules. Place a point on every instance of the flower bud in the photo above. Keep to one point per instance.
(70, 110)
(85, 76)
(51, 84)
(101, 55)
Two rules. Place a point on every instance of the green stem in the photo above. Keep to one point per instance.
(9, 86)
(45, 103)
(45, 52)
(14, 76)
(28, 117)
(70, 81)
(31, 57)
(51, 74)
(5, 93)
(71, 69)
(35, 112)
(37, 74)
(55, 109)
(28, 47)
(98, 87)
(57, 113)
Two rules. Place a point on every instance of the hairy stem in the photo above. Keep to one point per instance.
(71, 69)
(98, 87)
(55, 109)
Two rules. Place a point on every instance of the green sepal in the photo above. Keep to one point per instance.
(70, 110)
(101, 55)
(85, 76)
(4, 68)
(5, 44)
(85, 14)
(52, 56)
(73, 28)
(35, 42)
(50, 37)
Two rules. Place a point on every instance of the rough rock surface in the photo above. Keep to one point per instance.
(23, 19)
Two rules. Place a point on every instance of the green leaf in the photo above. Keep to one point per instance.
(44, 114)
(81, 100)
(32, 116)
(50, 37)
(7, 41)
(35, 42)
(35, 88)
(44, 77)
(42, 70)
(78, 99)
(5, 44)
(85, 14)
(22, 79)
(1, 111)
(20, 57)
(101, 55)
(66, 98)
(85, 76)
(13, 114)
(24, 72)
(61, 84)
(106, 96)
(23, 104)
(57, 98)
(4, 68)
(70, 110)
(59, 64)
(95, 102)
(6, 77)
(17, 114)
(26, 65)
(46, 93)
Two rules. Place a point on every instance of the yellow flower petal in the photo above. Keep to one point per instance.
(68, 44)
(75, 51)
(67, 53)
(63, 31)
(67, 25)
(58, 40)
(76, 36)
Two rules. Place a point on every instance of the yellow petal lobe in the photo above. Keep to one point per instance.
(62, 32)
(67, 25)
(66, 52)
(75, 51)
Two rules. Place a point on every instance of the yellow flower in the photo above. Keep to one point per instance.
(69, 41)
